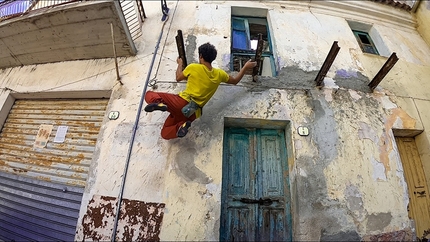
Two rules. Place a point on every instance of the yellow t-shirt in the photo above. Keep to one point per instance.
(202, 83)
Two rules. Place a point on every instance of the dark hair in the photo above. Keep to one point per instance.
(208, 52)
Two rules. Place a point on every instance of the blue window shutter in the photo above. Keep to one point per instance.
(240, 33)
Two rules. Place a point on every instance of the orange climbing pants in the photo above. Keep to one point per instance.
(174, 103)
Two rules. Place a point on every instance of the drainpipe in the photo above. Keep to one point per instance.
(136, 123)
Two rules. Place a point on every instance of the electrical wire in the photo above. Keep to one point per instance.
(153, 81)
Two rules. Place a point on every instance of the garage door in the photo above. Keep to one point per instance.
(42, 181)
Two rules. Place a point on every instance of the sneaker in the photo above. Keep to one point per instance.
(156, 106)
(183, 130)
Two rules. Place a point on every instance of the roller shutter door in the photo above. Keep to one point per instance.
(41, 188)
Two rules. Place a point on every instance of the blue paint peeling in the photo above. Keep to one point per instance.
(346, 74)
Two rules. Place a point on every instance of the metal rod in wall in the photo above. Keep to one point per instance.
(114, 53)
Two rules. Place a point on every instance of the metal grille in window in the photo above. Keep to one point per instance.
(240, 60)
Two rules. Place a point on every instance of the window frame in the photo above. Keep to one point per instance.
(364, 45)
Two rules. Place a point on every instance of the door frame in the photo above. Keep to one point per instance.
(411, 134)
(287, 126)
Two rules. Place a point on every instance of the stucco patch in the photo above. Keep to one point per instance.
(325, 126)
(328, 93)
(355, 204)
(341, 236)
(190, 48)
(378, 171)
(387, 103)
(378, 221)
(367, 132)
(354, 95)
(330, 83)
(302, 172)
(351, 79)
(385, 147)
(356, 59)
(298, 144)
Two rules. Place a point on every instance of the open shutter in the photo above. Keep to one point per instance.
(240, 38)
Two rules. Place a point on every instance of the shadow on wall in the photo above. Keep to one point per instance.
(184, 161)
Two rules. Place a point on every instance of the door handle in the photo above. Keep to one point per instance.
(260, 201)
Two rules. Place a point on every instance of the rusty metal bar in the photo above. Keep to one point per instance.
(181, 48)
(383, 71)
(258, 52)
(114, 53)
(327, 64)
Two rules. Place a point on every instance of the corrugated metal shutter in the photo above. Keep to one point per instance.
(41, 188)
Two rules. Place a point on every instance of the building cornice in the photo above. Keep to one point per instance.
(358, 10)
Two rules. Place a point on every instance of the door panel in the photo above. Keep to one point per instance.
(272, 172)
(240, 227)
(272, 224)
(255, 195)
(419, 199)
(240, 169)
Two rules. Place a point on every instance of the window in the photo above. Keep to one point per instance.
(365, 42)
(245, 31)
(369, 39)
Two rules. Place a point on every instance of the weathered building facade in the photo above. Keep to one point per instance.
(276, 158)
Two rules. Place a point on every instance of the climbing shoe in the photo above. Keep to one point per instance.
(183, 130)
(156, 106)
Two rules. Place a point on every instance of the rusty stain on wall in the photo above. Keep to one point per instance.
(138, 221)
(401, 235)
(43, 178)
(385, 142)
(407, 121)
(19, 170)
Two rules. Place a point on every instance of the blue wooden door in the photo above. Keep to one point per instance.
(255, 193)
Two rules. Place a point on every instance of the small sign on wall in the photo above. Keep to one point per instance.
(303, 131)
(42, 136)
(60, 136)
(113, 115)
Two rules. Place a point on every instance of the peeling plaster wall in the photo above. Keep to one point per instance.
(349, 175)
(346, 177)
